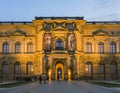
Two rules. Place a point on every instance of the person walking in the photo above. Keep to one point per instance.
(58, 78)
(40, 79)
(44, 79)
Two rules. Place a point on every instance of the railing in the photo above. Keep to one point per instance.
(103, 22)
(15, 22)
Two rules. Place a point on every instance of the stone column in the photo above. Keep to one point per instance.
(93, 47)
(117, 47)
(75, 65)
(23, 69)
(1, 47)
(11, 71)
(22, 47)
(25, 46)
(95, 71)
(108, 47)
(96, 47)
(52, 69)
(43, 66)
(11, 47)
(107, 72)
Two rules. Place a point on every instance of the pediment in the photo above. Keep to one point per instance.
(100, 32)
(18, 32)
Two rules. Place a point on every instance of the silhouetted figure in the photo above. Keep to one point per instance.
(58, 78)
(40, 79)
(44, 79)
(35, 78)
(16, 79)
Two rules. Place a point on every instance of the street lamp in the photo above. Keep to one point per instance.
(69, 75)
(86, 73)
(49, 75)
(86, 70)
(31, 71)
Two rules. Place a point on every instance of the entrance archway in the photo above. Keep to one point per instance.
(59, 68)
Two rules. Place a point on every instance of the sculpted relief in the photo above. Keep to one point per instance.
(58, 25)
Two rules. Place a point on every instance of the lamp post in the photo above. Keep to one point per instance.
(69, 75)
(49, 75)
(86, 71)
(31, 71)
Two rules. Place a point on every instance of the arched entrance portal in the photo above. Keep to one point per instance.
(59, 68)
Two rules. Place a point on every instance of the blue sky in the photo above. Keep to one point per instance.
(92, 10)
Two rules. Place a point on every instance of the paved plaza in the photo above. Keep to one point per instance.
(60, 87)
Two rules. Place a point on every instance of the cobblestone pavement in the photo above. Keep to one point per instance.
(60, 87)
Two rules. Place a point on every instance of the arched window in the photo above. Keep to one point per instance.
(17, 47)
(113, 67)
(29, 67)
(88, 67)
(17, 67)
(5, 47)
(30, 47)
(100, 47)
(88, 47)
(112, 47)
(101, 68)
(5, 67)
(59, 45)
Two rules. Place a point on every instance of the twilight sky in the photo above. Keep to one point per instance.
(92, 10)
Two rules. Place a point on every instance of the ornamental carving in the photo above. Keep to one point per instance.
(58, 25)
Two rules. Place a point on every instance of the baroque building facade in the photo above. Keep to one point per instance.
(68, 47)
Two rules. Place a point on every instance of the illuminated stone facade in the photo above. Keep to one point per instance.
(68, 47)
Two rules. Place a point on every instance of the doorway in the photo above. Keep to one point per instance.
(59, 71)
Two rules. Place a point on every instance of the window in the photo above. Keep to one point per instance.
(114, 67)
(29, 67)
(100, 47)
(59, 44)
(5, 67)
(17, 47)
(88, 67)
(17, 67)
(112, 47)
(5, 48)
(101, 68)
(88, 47)
(30, 47)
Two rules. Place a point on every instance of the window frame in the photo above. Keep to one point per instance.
(59, 44)
(18, 69)
(88, 47)
(100, 47)
(113, 48)
(5, 48)
(17, 47)
(30, 48)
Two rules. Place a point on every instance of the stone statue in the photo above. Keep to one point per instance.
(47, 40)
(71, 42)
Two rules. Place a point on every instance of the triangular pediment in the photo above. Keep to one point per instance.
(18, 32)
(100, 32)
